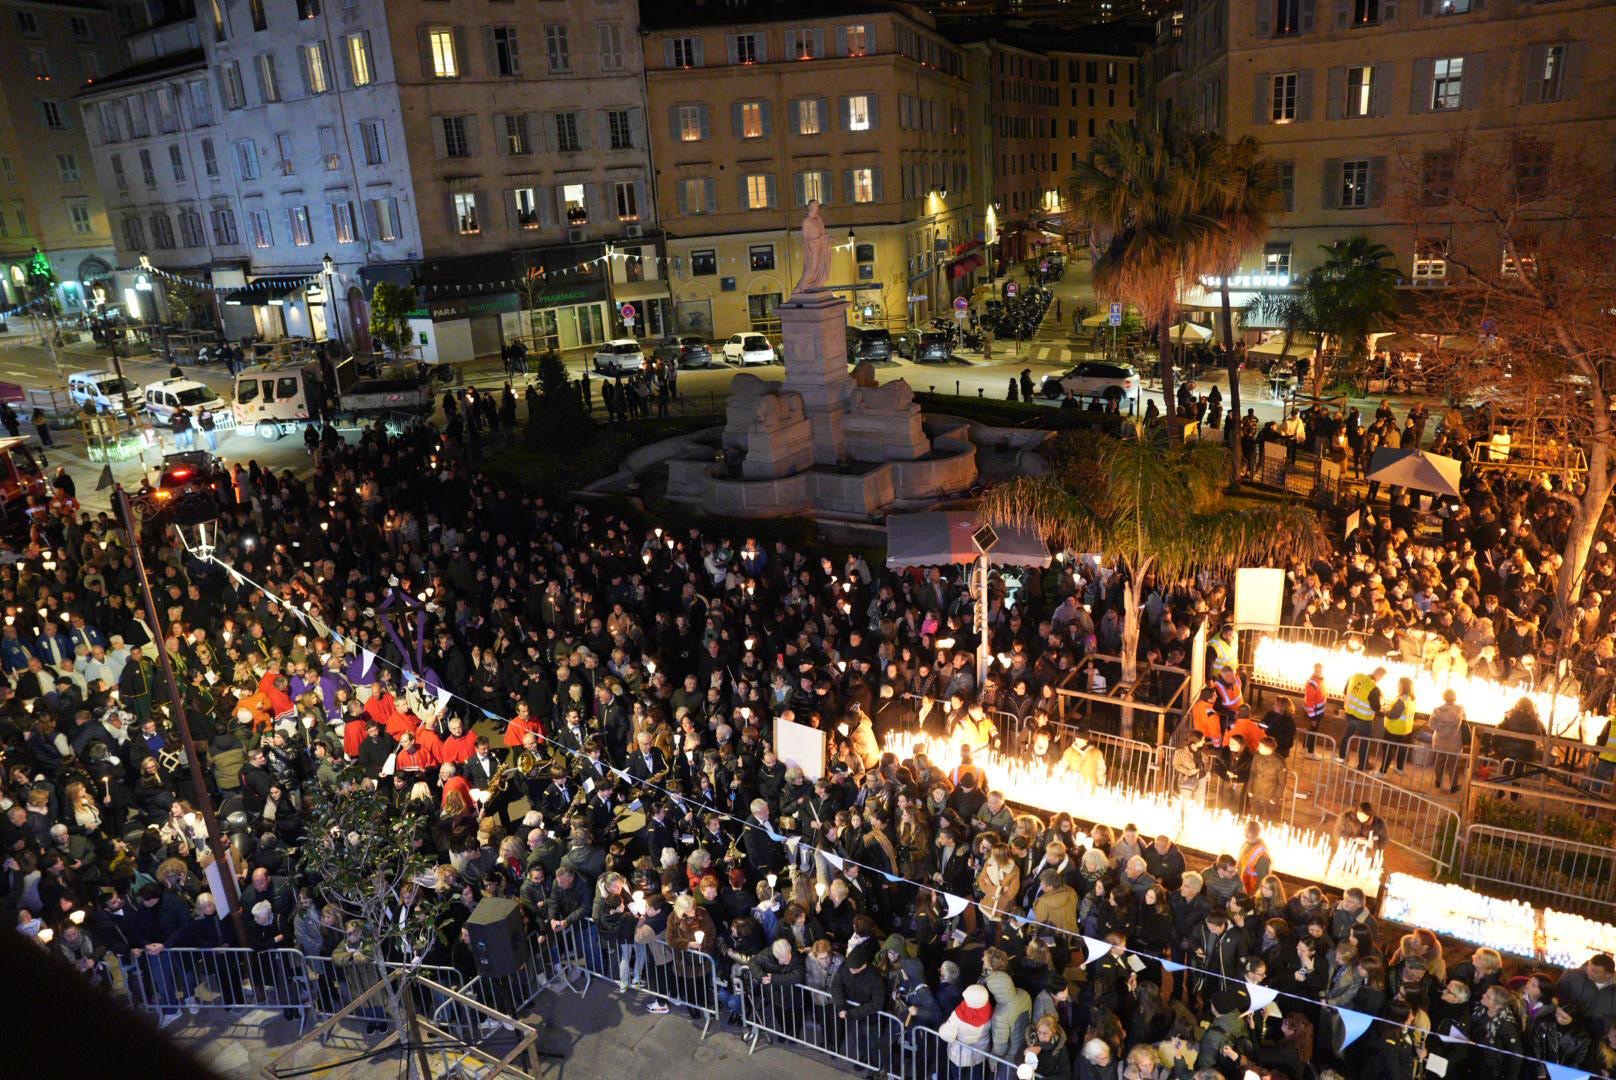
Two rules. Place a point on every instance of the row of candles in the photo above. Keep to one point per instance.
(1511, 926)
(1287, 665)
(1296, 852)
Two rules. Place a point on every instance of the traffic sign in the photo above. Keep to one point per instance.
(628, 312)
(1043, 266)
(961, 304)
(1010, 288)
(1489, 325)
(1116, 314)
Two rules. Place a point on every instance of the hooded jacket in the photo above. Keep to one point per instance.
(968, 1032)
(1012, 1012)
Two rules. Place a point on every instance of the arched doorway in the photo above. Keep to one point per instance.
(92, 268)
(358, 320)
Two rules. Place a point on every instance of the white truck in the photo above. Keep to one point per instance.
(276, 399)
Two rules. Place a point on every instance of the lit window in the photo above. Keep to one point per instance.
(1365, 12)
(746, 48)
(804, 44)
(757, 192)
(1355, 183)
(359, 69)
(752, 120)
(465, 210)
(627, 198)
(863, 190)
(526, 203)
(1360, 90)
(690, 123)
(858, 40)
(342, 222)
(1552, 77)
(516, 135)
(858, 113)
(319, 72)
(384, 218)
(1430, 260)
(572, 197)
(1447, 83)
(1282, 98)
(441, 43)
(813, 187)
(1277, 259)
(261, 236)
(809, 122)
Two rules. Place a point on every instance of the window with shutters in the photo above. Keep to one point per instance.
(269, 84)
(147, 173)
(761, 256)
(1430, 259)
(625, 194)
(246, 159)
(566, 125)
(342, 222)
(262, 235)
(858, 112)
(1551, 76)
(255, 10)
(746, 48)
(757, 191)
(1354, 184)
(611, 46)
(134, 234)
(39, 65)
(210, 159)
(857, 38)
(1447, 83)
(862, 189)
(384, 217)
(575, 204)
(1281, 98)
(684, 52)
(283, 154)
(440, 42)
(525, 201)
(328, 148)
(360, 70)
(317, 65)
(176, 163)
(1453, 7)
(507, 60)
(751, 120)
(809, 120)
(68, 167)
(619, 132)
(230, 87)
(815, 186)
(297, 219)
(1277, 259)
(190, 229)
(373, 142)
(456, 142)
(465, 212)
(224, 227)
(308, 9)
(1365, 12)
(693, 197)
(703, 263)
(1360, 91)
(116, 161)
(81, 29)
(1287, 16)
(803, 44)
(515, 134)
(690, 123)
(557, 49)
(1531, 161)
(53, 115)
(1436, 177)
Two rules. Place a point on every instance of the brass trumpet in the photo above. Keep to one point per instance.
(522, 765)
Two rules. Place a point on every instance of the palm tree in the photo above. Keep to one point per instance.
(1154, 505)
(1357, 295)
(1140, 193)
(1243, 197)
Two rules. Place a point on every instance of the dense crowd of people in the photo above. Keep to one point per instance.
(632, 665)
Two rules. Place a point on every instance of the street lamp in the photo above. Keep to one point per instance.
(196, 513)
(984, 538)
(333, 325)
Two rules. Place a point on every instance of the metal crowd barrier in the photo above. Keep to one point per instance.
(928, 1056)
(1571, 876)
(1414, 822)
(219, 980)
(336, 984)
(803, 1016)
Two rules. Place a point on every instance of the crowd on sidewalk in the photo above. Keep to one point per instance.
(639, 666)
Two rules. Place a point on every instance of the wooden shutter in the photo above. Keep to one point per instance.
(710, 192)
(766, 110)
(461, 52)
(373, 227)
(737, 124)
(490, 55)
(698, 53)
(636, 128)
(760, 43)
(799, 187)
(740, 193)
(1377, 181)
(641, 204)
(841, 41)
(1304, 96)
(679, 190)
(1343, 14)
(674, 132)
(1388, 11)
(1305, 16)
(1335, 93)
(1332, 183)
(847, 185)
(581, 119)
(1265, 18)
(1427, 7)
(772, 193)
(1261, 98)
(667, 51)
(823, 107)
(731, 42)
(424, 44)
(1419, 94)
(440, 145)
(706, 130)
(1380, 103)
(843, 110)
(603, 125)
(1475, 80)
(1571, 81)
(471, 134)
(1532, 92)
(875, 185)
(874, 102)
(819, 41)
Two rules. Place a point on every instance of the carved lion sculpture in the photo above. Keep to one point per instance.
(893, 398)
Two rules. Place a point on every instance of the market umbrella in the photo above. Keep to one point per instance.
(1102, 318)
(1458, 343)
(1420, 470)
(1401, 342)
(938, 538)
(1300, 346)
(1188, 331)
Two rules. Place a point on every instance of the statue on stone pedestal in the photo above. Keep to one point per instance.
(815, 252)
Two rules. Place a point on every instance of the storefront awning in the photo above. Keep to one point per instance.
(265, 292)
(964, 266)
(656, 289)
(944, 539)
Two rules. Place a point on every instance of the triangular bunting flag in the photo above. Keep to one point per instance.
(1565, 1072)
(791, 844)
(491, 714)
(443, 696)
(106, 480)
(1353, 1025)
(832, 858)
(1261, 996)
(1096, 948)
(369, 659)
(894, 878)
(776, 837)
(1170, 967)
(954, 905)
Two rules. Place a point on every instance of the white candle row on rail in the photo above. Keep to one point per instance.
(1511, 926)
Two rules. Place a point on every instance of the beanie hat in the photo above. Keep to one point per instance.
(975, 1010)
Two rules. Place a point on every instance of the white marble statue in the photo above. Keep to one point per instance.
(815, 252)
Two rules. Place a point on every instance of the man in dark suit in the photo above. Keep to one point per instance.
(764, 854)
(480, 767)
(648, 764)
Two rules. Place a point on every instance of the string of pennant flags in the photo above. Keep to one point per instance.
(1353, 1022)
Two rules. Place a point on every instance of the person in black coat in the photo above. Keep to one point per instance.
(764, 854)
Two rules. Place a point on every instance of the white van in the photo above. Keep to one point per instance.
(164, 398)
(104, 390)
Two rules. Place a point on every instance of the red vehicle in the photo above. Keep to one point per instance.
(22, 478)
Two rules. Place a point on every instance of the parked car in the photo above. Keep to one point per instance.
(102, 389)
(163, 398)
(925, 346)
(1094, 378)
(748, 349)
(872, 343)
(685, 352)
(619, 357)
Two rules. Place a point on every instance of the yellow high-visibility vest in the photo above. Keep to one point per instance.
(1356, 698)
(1400, 717)
(1225, 654)
(1609, 752)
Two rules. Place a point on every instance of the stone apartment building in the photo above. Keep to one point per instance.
(49, 199)
(1355, 97)
(861, 107)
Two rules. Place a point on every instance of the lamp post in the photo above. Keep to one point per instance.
(984, 539)
(333, 324)
(196, 509)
